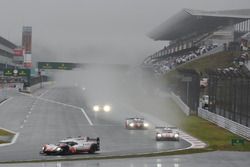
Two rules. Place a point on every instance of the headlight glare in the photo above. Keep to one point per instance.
(107, 108)
(146, 124)
(159, 135)
(176, 135)
(131, 124)
(58, 149)
(96, 108)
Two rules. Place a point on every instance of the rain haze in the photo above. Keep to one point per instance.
(100, 31)
(95, 30)
(117, 98)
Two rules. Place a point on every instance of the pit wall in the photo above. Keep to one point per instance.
(35, 87)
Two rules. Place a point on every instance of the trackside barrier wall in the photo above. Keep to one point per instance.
(180, 103)
(223, 122)
(35, 87)
(2, 95)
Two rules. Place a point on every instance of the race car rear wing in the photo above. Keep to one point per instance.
(134, 118)
(168, 127)
(93, 139)
(173, 128)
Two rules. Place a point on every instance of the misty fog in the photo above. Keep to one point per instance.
(95, 30)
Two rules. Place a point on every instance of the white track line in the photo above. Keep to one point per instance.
(56, 102)
(58, 164)
(68, 105)
(85, 114)
(13, 140)
(43, 93)
(6, 100)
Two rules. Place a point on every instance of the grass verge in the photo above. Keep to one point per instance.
(2, 142)
(5, 133)
(216, 137)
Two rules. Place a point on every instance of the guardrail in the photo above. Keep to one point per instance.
(180, 103)
(223, 122)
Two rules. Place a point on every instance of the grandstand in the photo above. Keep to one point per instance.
(6, 54)
(194, 33)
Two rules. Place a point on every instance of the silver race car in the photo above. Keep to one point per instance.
(167, 133)
(72, 145)
(136, 123)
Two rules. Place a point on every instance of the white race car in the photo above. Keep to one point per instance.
(105, 108)
(167, 133)
(136, 123)
(72, 145)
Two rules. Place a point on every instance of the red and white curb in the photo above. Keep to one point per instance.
(195, 143)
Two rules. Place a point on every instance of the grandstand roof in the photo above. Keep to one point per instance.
(7, 43)
(190, 22)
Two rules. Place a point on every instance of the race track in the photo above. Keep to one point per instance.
(57, 112)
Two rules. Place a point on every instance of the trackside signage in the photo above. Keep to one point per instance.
(56, 65)
(8, 72)
(23, 72)
(17, 72)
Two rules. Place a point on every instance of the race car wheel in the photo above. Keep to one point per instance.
(92, 149)
(65, 149)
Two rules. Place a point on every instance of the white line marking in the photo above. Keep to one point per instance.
(8, 130)
(85, 114)
(14, 139)
(43, 93)
(6, 100)
(58, 164)
(56, 102)
(68, 105)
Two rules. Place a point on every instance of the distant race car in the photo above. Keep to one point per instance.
(136, 123)
(105, 108)
(72, 145)
(167, 133)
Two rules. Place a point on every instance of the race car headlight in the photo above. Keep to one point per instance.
(159, 135)
(176, 135)
(131, 124)
(145, 124)
(96, 108)
(43, 148)
(107, 108)
(58, 149)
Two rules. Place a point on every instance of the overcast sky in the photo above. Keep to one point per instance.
(95, 30)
